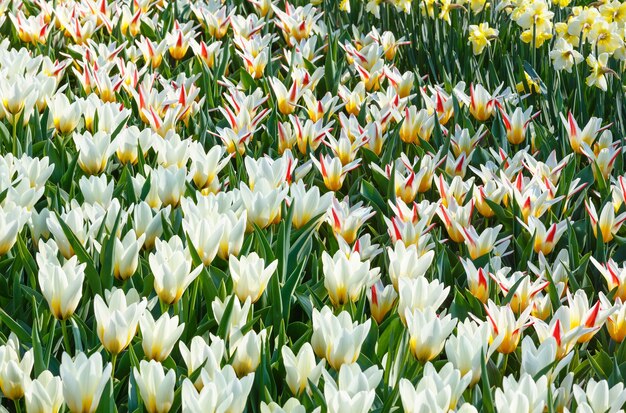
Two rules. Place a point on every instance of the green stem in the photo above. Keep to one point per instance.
(113, 362)
(66, 337)
(18, 408)
(14, 149)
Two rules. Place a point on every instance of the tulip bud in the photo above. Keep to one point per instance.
(117, 319)
(156, 387)
(301, 368)
(83, 381)
(45, 394)
(159, 337)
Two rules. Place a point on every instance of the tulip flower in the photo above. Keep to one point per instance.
(419, 294)
(477, 280)
(333, 171)
(126, 255)
(171, 266)
(83, 381)
(247, 352)
(205, 400)
(346, 220)
(616, 322)
(232, 392)
(545, 239)
(263, 204)
(428, 332)
(345, 278)
(479, 245)
(250, 276)
(12, 220)
(416, 125)
(607, 222)
(405, 262)
(301, 368)
(337, 338)
(291, 406)
(614, 275)
(93, 151)
(354, 390)
(577, 136)
(468, 347)
(45, 394)
(205, 236)
(505, 328)
(517, 123)
(525, 290)
(428, 398)
(156, 387)
(158, 337)
(599, 397)
(117, 318)
(65, 115)
(238, 316)
(537, 359)
(381, 300)
(15, 369)
(307, 204)
(523, 395)
(200, 354)
(61, 285)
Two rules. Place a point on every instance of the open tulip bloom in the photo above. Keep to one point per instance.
(312, 206)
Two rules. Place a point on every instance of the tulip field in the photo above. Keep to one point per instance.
(328, 206)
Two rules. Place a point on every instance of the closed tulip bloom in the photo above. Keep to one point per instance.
(546, 238)
(232, 392)
(93, 151)
(307, 204)
(425, 397)
(171, 184)
(61, 285)
(468, 347)
(250, 275)
(428, 332)
(12, 220)
(517, 123)
(126, 255)
(505, 328)
(616, 322)
(65, 116)
(354, 391)
(301, 368)
(597, 397)
(171, 266)
(607, 222)
(420, 294)
(200, 354)
(204, 400)
(14, 369)
(264, 203)
(405, 262)
(291, 406)
(159, 336)
(117, 319)
(541, 359)
(83, 381)
(337, 338)
(345, 278)
(479, 245)
(381, 299)
(156, 387)
(45, 394)
(477, 280)
(148, 222)
(247, 352)
(523, 395)
(205, 235)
